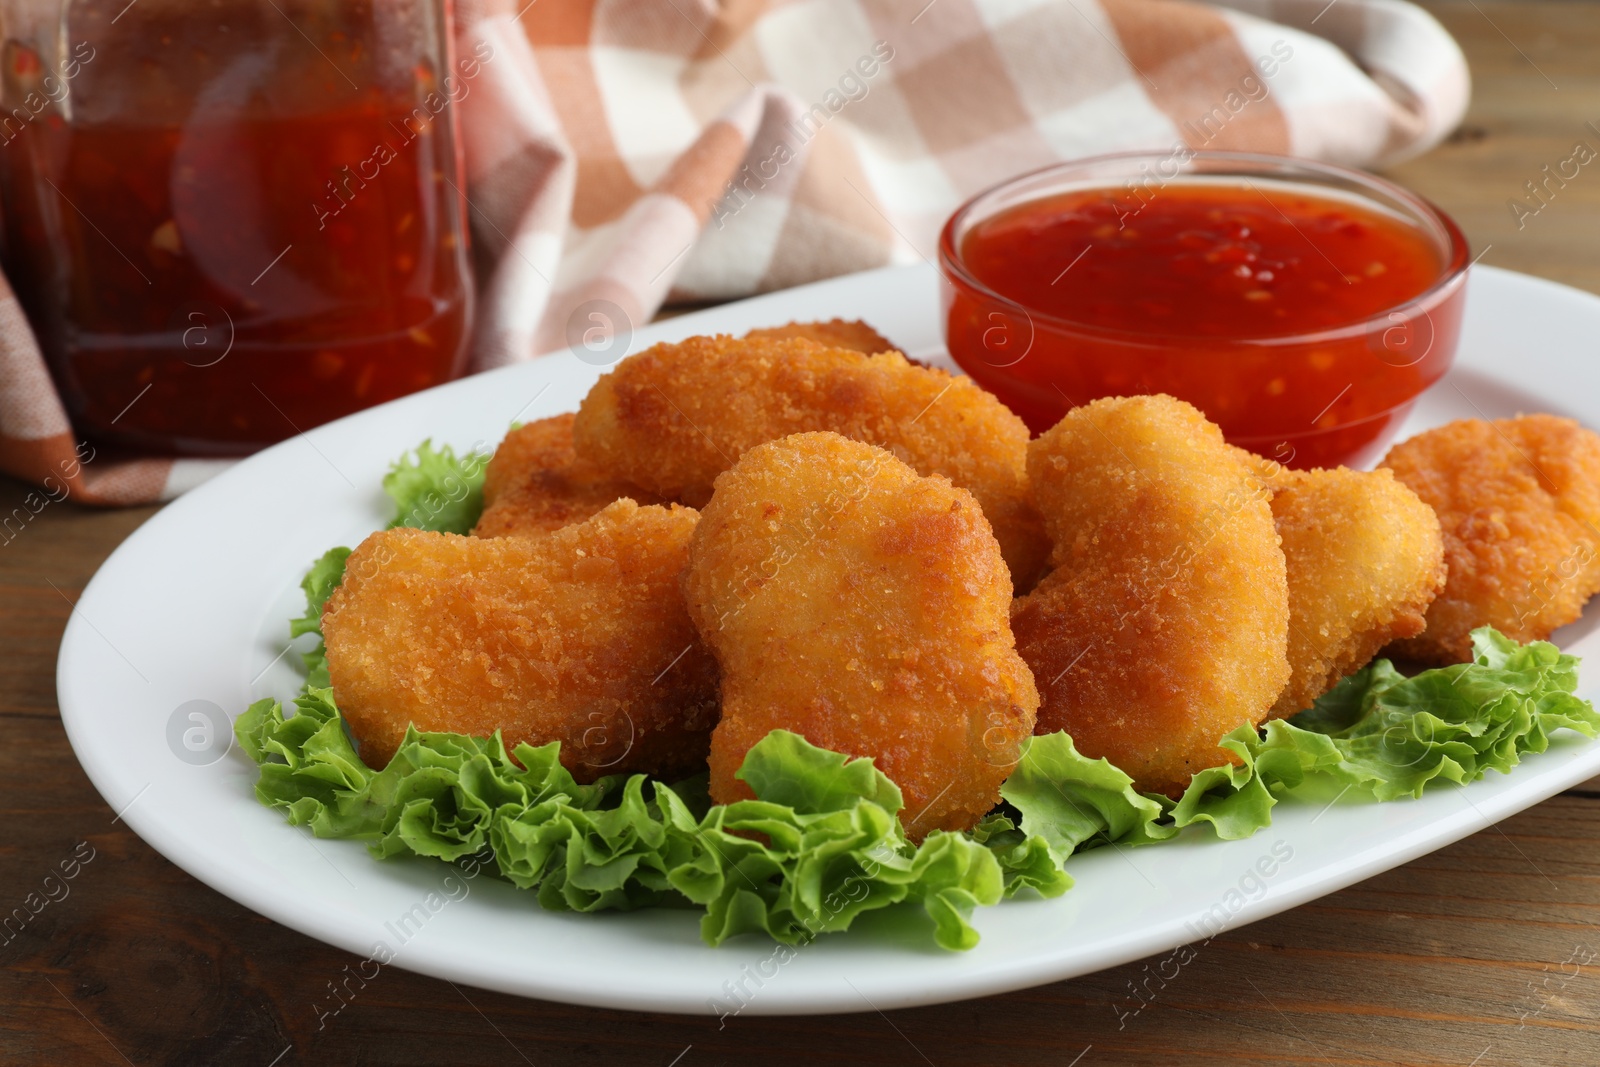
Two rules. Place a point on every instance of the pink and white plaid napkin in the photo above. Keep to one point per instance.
(646, 151)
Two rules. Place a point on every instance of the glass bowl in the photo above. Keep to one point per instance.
(1354, 383)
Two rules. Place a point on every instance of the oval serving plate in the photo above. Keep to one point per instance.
(193, 607)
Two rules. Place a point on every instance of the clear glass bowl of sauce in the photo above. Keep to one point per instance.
(232, 221)
(1302, 306)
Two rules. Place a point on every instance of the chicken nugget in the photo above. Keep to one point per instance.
(673, 417)
(835, 333)
(1364, 559)
(536, 483)
(863, 606)
(1165, 623)
(1519, 503)
(580, 636)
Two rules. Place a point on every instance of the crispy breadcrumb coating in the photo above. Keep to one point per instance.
(580, 636)
(1519, 503)
(673, 417)
(1165, 624)
(536, 483)
(863, 606)
(835, 333)
(1365, 559)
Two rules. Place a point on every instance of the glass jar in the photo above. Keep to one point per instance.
(232, 220)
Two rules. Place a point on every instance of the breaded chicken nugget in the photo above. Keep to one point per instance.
(1519, 502)
(580, 636)
(536, 483)
(864, 607)
(674, 416)
(1165, 624)
(835, 333)
(1364, 558)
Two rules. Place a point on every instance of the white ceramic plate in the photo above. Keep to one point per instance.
(192, 607)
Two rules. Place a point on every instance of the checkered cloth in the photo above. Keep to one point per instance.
(645, 151)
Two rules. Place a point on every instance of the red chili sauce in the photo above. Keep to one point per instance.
(1184, 290)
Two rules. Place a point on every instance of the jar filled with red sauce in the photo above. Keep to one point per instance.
(232, 220)
(1302, 307)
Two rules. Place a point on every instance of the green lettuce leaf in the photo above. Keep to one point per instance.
(319, 583)
(1026, 861)
(1377, 734)
(1383, 735)
(1074, 802)
(1237, 800)
(820, 845)
(308, 763)
(434, 489)
(790, 770)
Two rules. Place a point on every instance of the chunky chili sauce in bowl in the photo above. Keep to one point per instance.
(1303, 307)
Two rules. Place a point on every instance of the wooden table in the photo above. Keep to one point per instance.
(1471, 956)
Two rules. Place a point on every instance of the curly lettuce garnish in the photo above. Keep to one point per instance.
(820, 844)
(1382, 735)
(318, 584)
(434, 489)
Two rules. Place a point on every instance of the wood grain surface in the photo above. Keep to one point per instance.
(1485, 953)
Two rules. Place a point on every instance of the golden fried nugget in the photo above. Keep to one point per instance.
(857, 336)
(580, 636)
(1519, 503)
(1265, 471)
(536, 483)
(674, 416)
(863, 606)
(1365, 559)
(1165, 625)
